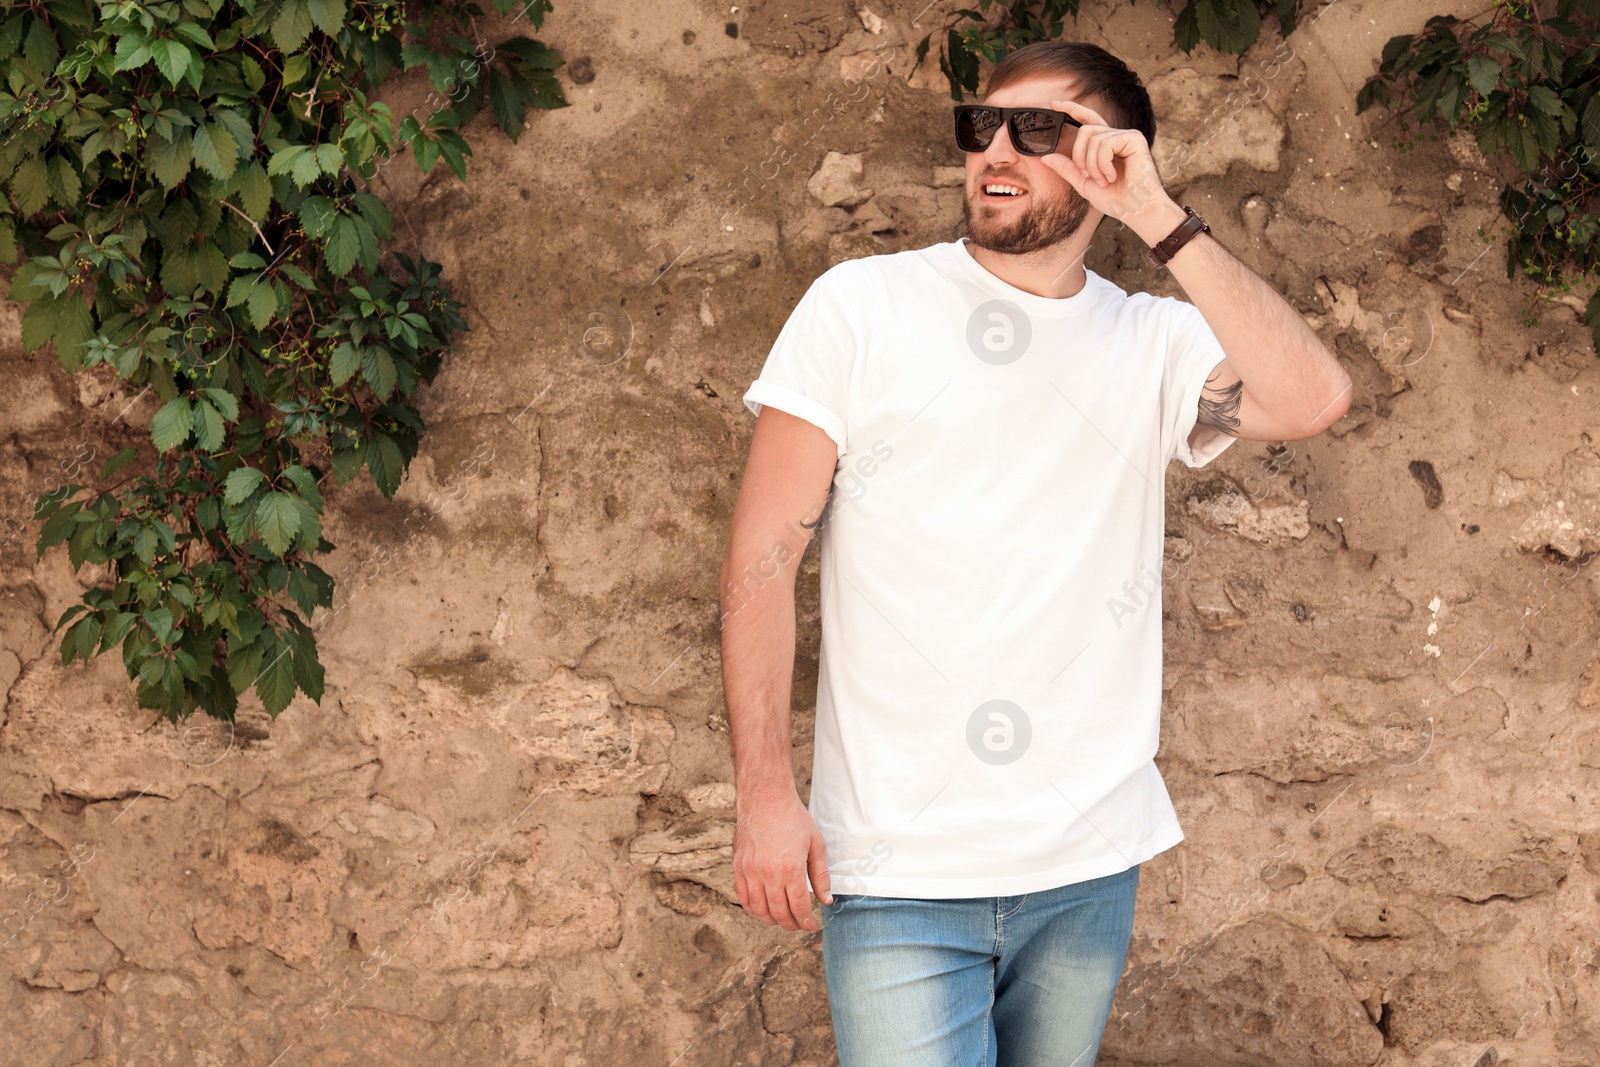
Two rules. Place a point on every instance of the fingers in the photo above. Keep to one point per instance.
(776, 900)
(1105, 155)
(817, 867)
(1084, 114)
(799, 899)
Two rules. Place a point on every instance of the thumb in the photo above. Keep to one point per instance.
(1068, 169)
(817, 867)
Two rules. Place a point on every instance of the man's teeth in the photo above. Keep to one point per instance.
(1003, 190)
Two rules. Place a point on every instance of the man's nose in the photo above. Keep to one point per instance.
(1000, 149)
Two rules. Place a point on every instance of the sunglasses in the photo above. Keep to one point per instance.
(1035, 131)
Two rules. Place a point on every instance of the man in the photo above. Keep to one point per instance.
(994, 421)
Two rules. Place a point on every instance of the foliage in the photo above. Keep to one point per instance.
(996, 28)
(185, 181)
(1529, 89)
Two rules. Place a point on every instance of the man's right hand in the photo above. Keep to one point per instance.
(775, 844)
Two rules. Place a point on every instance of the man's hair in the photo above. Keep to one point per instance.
(1096, 72)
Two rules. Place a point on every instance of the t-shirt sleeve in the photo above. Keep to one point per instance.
(1193, 352)
(807, 373)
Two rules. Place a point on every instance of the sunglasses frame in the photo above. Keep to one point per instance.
(1007, 118)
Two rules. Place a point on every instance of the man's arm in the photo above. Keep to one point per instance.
(783, 495)
(1279, 382)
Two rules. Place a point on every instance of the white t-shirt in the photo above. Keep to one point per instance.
(989, 697)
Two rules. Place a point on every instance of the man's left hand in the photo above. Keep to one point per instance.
(1114, 171)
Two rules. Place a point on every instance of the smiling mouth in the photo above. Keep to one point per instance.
(996, 192)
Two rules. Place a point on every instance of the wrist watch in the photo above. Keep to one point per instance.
(1169, 245)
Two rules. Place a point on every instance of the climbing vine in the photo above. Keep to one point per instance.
(1528, 88)
(186, 199)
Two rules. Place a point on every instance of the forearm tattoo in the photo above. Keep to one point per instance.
(1221, 411)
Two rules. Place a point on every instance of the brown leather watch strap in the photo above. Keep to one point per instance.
(1169, 245)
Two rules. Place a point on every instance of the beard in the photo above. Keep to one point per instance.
(1042, 224)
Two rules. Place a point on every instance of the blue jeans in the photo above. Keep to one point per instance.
(1023, 981)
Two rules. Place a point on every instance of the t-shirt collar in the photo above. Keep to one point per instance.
(1032, 303)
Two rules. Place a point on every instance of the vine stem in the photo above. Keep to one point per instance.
(252, 223)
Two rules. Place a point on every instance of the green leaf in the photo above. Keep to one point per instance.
(1546, 100)
(255, 192)
(505, 100)
(310, 534)
(170, 160)
(292, 26)
(214, 150)
(121, 622)
(160, 622)
(306, 168)
(316, 214)
(306, 483)
(144, 544)
(196, 34)
(346, 360)
(133, 51)
(224, 401)
(296, 68)
(209, 430)
(117, 462)
(263, 304)
(303, 590)
(1394, 48)
(240, 483)
(330, 159)
(328, 15)
(1376, 91)
(1484, 73)
(385, 462)
(64, 183)
(278, 520)
(254, 77)
(40, 48)
(74, 325)
(172, 57)
(244, 665)
(275, 685)
(377, 367)
(172, 424)
(342, 245)
(308, 673)
(30, 186)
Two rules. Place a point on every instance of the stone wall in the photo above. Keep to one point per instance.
(504, 836)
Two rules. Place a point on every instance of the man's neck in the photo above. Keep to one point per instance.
(1054, 272)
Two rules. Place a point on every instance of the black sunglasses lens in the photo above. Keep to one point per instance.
(975, 128)
(1034, 132)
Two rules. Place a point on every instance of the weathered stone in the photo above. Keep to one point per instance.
(1259, 995)
(1487, 862)
(836, 182)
